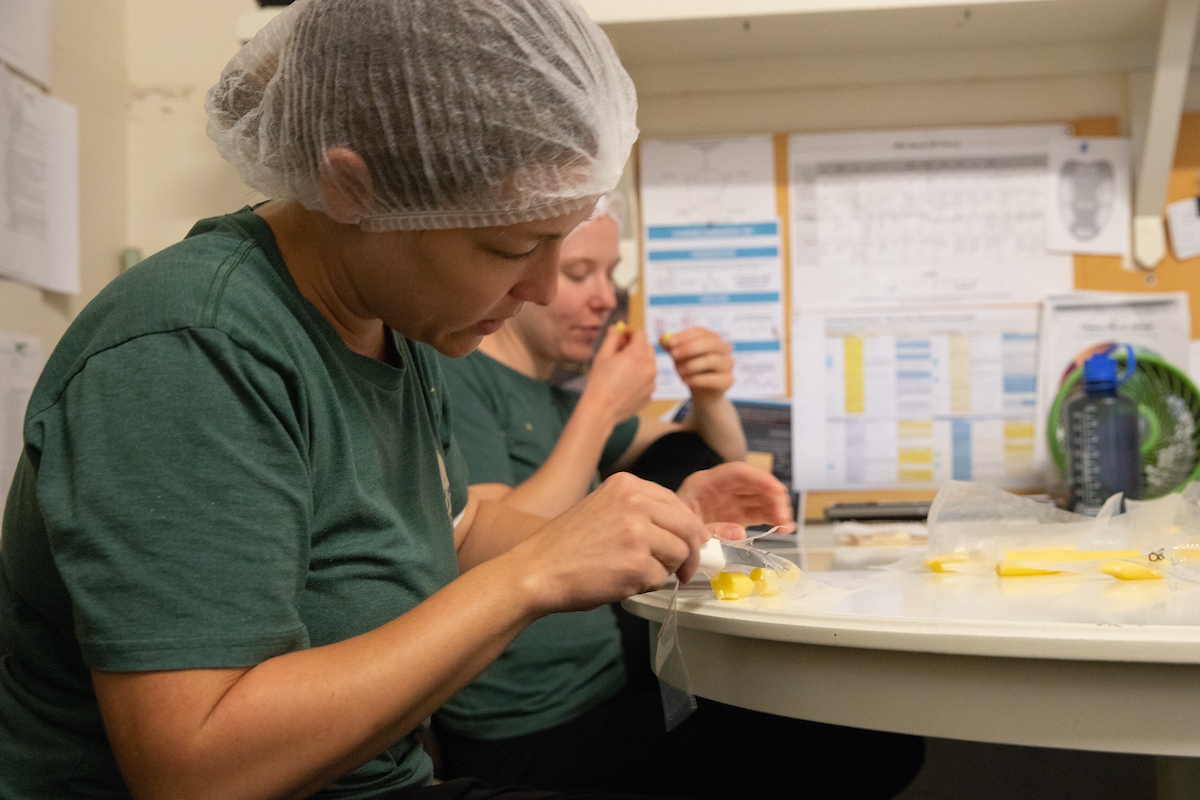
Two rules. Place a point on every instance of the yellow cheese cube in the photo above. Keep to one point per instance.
(767, 582)
(731, 585)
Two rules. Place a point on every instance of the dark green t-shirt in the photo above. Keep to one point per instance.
(211, 478)
(507, 425)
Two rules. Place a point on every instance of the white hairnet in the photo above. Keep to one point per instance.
(467, 113)
(610, 205)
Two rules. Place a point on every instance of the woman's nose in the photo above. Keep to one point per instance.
(604, 294)
(540, 282)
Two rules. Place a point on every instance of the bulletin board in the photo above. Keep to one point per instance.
(1091, 273)
(1105, 272)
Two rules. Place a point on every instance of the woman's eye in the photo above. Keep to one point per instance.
(514, 256)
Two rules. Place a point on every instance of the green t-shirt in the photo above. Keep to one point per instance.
(507, 425)
(211, 478)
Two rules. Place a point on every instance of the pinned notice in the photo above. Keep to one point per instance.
(1088, 203)
(1183, 221)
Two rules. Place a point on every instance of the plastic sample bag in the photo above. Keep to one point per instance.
(735, 569)
(977, 528)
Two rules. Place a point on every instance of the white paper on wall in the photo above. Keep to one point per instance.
(1183, 223)
(1074, 324)
(892, 398)
(1088, 204)
(39, 187)
(947, 217)
(713, 252)
(25, 37)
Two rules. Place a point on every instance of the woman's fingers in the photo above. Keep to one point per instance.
(623, 372)
(627, 536)
(702, 358)
(695, 342)
(737, 492)
(729, 531)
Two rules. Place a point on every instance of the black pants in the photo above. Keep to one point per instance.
(470, 789)
(719, 752)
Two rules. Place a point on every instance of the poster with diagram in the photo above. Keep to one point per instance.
(714, 255)
(1088, 203)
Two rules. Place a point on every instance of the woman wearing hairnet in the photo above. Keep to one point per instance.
(239, 559)
(572, 703)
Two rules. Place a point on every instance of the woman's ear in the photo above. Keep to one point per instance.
(346, 185)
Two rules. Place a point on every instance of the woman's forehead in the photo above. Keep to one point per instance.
(553, 229)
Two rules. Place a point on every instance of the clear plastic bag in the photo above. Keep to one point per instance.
(678, 702)
(752, 573)
(748, 571)
(977, 528)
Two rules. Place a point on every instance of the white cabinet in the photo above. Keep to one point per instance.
(756, 45)
(713, 66)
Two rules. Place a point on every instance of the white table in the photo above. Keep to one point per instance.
(1069, 662)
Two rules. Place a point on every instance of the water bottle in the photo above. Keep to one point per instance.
(1103, 453)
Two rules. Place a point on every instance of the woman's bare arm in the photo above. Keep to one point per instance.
(295, 723)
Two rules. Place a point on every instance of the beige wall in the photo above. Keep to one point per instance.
(88, 70)
(176, 50)
(138, 71)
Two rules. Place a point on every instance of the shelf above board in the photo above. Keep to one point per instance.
(662, 33)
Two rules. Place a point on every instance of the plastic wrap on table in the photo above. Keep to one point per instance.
(977, 528)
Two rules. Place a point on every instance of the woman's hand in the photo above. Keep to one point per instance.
(628, 536)
(623, 373)
(737, 493)
(703, 360)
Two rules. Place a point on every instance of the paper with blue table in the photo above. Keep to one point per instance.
(714, 255)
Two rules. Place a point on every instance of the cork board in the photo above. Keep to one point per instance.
(1091, 273)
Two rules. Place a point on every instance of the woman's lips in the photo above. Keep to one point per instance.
(489, 326)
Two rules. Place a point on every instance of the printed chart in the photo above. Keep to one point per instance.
(913, 399)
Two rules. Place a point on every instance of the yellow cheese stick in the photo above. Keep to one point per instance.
(1128, 571)
(1007, 569)
(1033, 551)
(938, 563)
(1064, 554)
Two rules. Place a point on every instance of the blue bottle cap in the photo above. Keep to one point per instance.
(1100, 373)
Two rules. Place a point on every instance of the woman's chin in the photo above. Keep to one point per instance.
(578, 352)
(459, 345)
